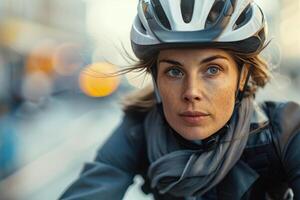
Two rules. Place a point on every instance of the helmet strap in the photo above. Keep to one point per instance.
(240, 94)
(154, 77)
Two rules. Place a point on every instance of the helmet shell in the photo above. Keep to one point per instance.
(238, 25)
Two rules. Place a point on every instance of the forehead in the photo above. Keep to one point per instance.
(194, 54)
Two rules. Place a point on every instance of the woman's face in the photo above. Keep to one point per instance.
(197, 87)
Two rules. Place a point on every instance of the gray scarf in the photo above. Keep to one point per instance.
(183, 172)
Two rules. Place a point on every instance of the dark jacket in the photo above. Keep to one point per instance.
(269, 164)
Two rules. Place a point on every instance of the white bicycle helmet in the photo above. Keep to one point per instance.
(238, 25)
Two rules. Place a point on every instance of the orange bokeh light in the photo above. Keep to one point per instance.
(96, 81)
(41, 58)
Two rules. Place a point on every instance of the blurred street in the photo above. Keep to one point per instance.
(56, 139)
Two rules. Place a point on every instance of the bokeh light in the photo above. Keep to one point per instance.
(96, 79)
(41, 58)
(67, 59)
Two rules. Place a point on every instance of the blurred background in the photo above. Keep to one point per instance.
(56, 109)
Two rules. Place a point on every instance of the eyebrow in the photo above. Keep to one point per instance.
(206, 60)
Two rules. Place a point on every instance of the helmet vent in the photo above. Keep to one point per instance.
(214, 13)
(160, 13)
(244, 17)
(187, 10)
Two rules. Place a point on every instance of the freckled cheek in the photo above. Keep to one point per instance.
(223, 100)
(171, 100)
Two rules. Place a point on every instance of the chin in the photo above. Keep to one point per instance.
(194, 133)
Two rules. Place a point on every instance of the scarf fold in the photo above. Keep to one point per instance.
(184, 172)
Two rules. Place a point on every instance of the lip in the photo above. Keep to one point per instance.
(193, 117)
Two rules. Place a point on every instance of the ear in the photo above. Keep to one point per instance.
(243, 75)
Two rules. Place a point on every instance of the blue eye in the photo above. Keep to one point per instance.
(174, 72)
(213, 70)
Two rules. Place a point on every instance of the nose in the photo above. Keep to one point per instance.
(192, 90)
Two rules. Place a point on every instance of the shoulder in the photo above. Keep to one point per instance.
(284, 118)
(133, 123)
(283, 114)
(126, 147)
(131, 127)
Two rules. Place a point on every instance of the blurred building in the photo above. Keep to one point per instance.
(289, 36)
(68, 15)
(31, 25)
(290, 28)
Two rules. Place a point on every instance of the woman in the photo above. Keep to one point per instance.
(199, 134)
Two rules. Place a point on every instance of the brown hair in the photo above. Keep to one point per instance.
(142, 100)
